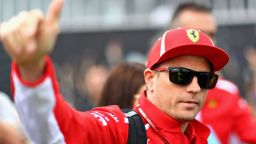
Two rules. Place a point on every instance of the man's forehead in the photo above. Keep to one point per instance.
(182, 61)
(203, 21)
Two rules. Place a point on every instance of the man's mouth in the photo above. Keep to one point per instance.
(190, 102)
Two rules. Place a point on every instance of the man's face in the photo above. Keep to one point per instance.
(181, 102)
(203, 21)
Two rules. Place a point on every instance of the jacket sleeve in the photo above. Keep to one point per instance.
(49, 119)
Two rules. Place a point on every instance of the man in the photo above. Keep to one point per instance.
(11, 130)
(180, 70)
(225, 111)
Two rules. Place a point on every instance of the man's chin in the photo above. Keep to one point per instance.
(186, 117)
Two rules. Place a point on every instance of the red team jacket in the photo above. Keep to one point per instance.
(49, 119)
(228, 114)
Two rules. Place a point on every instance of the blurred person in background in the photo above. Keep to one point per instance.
(124, 85)
(11, 131)
(250, 77)
(225, 112)
(65, 74)
(175, 88)
(90, 83)
(114, 52)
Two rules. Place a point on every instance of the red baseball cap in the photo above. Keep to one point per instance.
(186, 41)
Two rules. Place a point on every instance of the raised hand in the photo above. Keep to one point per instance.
(30, 36)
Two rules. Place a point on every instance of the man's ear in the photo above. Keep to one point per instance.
(148, 77)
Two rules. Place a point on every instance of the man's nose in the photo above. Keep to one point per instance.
(194, 86)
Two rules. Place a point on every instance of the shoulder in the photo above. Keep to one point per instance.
(112, 109)
(109, 113)
(111, 119)
(3, 97)
(5, 103)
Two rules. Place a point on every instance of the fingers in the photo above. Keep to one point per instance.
(30, 35)
(19, 34)
(31, 30)
(10, 36)
(54, 11)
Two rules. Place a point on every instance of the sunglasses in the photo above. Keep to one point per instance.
(184, 76)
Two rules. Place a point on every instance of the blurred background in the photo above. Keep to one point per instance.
(102, 33)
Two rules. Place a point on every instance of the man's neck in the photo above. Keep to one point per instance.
(184, 126)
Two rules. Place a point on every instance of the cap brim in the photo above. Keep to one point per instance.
(218, 57)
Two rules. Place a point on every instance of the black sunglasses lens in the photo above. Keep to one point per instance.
(180, 76)
(207, 80)
(183, 76)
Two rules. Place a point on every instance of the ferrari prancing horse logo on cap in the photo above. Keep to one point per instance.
(193, 35)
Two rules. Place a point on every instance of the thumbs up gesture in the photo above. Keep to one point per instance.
(30, 36)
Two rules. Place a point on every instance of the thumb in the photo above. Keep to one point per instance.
(54, 11)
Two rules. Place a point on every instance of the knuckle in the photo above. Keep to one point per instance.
(12, 19)
(23, 14)
(21, 18)
(4, 32)
(13, 25)
(37, 12)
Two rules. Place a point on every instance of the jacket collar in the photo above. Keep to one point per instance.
(164, 122)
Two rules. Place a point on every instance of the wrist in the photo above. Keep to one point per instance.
(32, 71)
